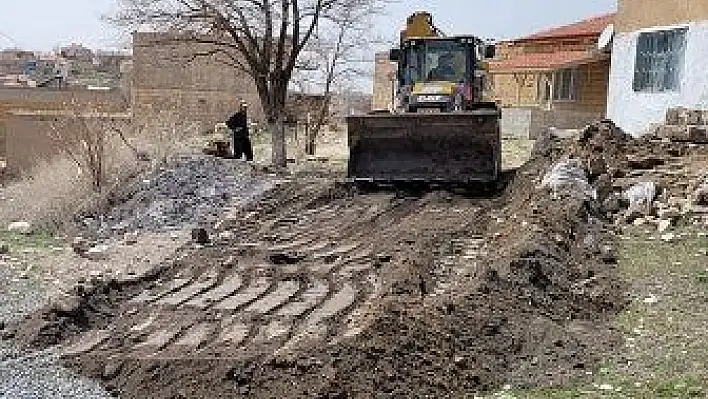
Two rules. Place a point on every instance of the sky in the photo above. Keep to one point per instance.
(42, 25)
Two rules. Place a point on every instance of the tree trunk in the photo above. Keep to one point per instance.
(276, 127)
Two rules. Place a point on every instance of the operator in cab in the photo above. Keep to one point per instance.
(445, 70)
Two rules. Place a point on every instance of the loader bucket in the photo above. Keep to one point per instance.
(462, 147)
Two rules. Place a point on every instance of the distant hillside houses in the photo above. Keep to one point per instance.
(73, 65)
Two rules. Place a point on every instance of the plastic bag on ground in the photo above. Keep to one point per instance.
(568, 178)
(641, 197)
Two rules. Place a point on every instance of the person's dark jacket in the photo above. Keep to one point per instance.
(238, 123)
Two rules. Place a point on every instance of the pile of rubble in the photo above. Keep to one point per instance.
(646, 181)
(191, 191)
(684, 125)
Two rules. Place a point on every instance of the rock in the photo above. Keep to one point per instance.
(700, 195)
(68, 305)
(698, 134)
(668, 237)
(612, 204)
(671, 214)
(111, 370)
(226, 235)
(80, 245)
(651, 299)
(121, 227)
(131, 238)
(596, 166)
(200, 236)
(644, 162)
(4, 248)
(99, 252)
(95, 274)
(20, 227)
(603, 186)
(663, 225)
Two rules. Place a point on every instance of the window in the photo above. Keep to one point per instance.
(659, 60)
(565, 84)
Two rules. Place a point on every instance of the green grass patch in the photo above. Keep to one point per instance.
(666, 345)
(17, 241)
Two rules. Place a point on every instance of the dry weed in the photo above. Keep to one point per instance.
(51, 194)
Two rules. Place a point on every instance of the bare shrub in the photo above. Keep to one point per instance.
(45, 195)
(163, 134)
(84, 176)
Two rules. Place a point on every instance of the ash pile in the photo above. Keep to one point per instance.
(192, 190)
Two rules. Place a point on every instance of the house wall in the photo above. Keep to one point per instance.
(633, 15)
(384, 73)
(636, 112)
(515, 89)
(529, 122)
(592, 91)
(521, 89)
(202, 90)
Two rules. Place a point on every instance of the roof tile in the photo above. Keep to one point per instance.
(587, 27)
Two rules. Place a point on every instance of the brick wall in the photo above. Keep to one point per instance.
(167, 73)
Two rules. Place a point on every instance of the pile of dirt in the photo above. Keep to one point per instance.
(190, 189)
(532, 312)
(528, 288)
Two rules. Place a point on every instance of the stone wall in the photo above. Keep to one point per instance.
(173, 72)
(683, 124)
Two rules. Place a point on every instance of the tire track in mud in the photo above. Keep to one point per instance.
(304, 267)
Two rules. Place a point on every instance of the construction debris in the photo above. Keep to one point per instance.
(685, 125)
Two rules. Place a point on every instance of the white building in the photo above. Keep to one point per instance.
(659, 61)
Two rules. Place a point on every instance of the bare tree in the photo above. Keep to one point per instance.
(263, 38)
(80, 133)
(342, 50)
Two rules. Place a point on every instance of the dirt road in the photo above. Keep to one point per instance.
(316, 289)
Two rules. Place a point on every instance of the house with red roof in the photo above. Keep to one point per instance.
(557, 77)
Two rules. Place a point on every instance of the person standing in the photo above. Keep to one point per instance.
(238, 123)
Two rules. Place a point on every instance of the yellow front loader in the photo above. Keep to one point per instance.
(442, 128)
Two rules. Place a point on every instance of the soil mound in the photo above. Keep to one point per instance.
(531, 311)
(436, 295)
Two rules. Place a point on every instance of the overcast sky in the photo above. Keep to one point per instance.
(46, 24)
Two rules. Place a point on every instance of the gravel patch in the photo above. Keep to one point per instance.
(38, 374)
(193, 190)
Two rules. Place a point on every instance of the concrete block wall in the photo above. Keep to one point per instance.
(384, 73)
(529, 122)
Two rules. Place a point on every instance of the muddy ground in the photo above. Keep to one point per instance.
(318, 289)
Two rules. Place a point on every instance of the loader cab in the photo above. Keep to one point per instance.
(438, 73)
